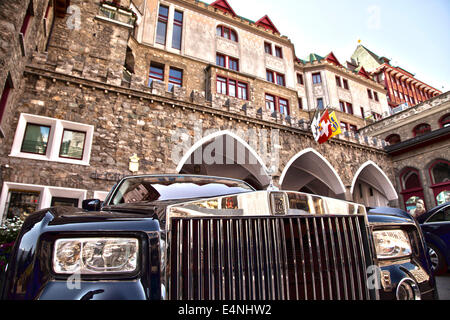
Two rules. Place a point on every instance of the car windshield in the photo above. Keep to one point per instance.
(161, 188)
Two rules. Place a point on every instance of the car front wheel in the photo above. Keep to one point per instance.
(438, 264)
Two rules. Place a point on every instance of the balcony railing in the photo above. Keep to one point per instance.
(114, 14)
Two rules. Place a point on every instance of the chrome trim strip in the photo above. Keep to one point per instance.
(284, 257)
(350, 262)
(311, 260)
(179, 260)
(294, 257)
(327, 260)
(363, 257)
(319, 257)
(360, 282)
(344, 275)
(302, 252)
(333, 249)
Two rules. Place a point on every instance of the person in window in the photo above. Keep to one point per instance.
(419, 210)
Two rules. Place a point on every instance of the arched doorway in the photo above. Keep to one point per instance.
(225, 154)
(372, 187)
(440, 180)
(309, 171)
(412, 190)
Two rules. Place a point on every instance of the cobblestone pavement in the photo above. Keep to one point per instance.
(443, 286)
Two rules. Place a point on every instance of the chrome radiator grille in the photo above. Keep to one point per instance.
(295, 257)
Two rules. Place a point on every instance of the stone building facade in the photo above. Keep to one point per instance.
(108, 88)
(419, 146)
(401, 85)
(356, 99)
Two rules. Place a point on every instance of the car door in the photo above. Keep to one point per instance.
(437, 229)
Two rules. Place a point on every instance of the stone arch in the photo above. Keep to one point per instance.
(310, 171)
(225, 154)
(370, 175)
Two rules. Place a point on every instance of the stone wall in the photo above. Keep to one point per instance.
(14, 54)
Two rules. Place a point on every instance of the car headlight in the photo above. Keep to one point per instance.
(95, 255)
(391, 244)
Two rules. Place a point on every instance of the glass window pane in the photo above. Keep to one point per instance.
(176, 38)
(35, 139)
(233, 64)
(72, 145)
(283, 107)
(415, 206)
(441, 172)
(22, 203)
(161, 32)
(61, 201)
(232, 88)
(443, 197)
(164, 11)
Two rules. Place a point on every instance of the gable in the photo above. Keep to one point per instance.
(224, 6)
(266, 23)
(332, 58)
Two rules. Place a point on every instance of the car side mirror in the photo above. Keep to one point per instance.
(92, 204)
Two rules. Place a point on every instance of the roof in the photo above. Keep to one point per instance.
(314, 57)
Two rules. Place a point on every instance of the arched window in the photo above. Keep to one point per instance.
(412, 191)
(421, 129)
(393, 139)
(227, 33)
(445, 121)
(440, 180)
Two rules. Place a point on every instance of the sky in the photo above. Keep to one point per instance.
(414, 34)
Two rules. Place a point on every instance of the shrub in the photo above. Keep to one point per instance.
(8, 234)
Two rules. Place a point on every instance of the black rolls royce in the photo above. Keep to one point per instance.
(206, 238)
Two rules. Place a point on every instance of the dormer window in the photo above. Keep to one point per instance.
(227, 33)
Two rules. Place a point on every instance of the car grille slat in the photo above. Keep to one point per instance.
(289, 257)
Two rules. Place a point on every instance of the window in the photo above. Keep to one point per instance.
(349, 108)
(280, 79)
(440, 172)
(267, 48)
(175, 78)
(5, 94)
(233, 64)
(375, 96)
(443, 122)
(320, 103)
(72, 144)
(316, 78)
(232, 88)
(227, 62)
(353, 128)
(221, 85)
(300, 78)
(346, 107)
(283, 106)
(338, 81)
(26, 20)
(441, 216)
(35, 139)
(22, 203)
(227, 33)
(221, 60)
(278, 52)
(300, 103)
(49, 139)
(345, 83)
(362, 112)
(242, 90)
(270, 102)
(161, 28)
(344, 126)
(156, 72)
(63, 201)
(271, 76)
(20, 200)
(393, 139)
(177, 30)
(421, 129)
(277, 104)
(369, 93)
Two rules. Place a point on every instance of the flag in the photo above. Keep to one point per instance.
(315, 127)
(335, 127)
(325, 130)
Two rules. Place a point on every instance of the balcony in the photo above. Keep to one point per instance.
(108, 11)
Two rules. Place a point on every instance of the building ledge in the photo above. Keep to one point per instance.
(420, 141)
